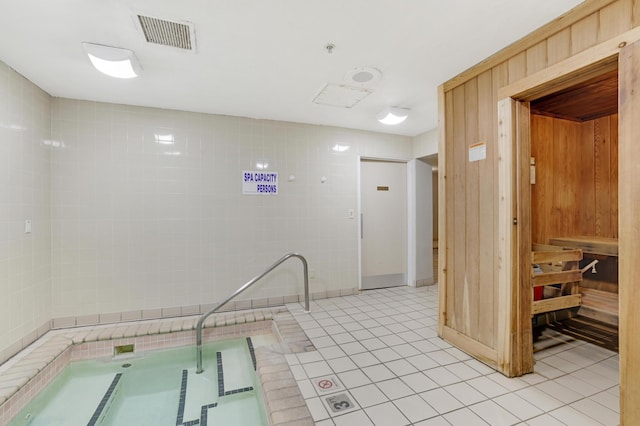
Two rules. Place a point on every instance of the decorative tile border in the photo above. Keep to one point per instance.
(30, 372)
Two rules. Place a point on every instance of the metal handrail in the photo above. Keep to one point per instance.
(243, 288)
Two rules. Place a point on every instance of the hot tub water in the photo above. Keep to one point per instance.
(156, 388)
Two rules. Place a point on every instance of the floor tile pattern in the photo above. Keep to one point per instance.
(378, 352)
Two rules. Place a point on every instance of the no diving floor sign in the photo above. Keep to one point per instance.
(327, 384)
(336, 403)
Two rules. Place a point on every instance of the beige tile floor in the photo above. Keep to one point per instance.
(380, 349)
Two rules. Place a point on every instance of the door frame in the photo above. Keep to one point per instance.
(515, 275)
(411, 253)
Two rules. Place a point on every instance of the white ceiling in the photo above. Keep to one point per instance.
(266, 58)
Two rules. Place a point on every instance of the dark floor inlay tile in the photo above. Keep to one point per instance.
(183, 398)
(105, 399)
(252, 352)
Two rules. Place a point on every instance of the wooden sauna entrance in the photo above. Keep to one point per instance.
(574, 206)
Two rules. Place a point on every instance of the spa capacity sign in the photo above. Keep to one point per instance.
(259, 183)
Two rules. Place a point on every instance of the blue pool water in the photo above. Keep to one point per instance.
(157, 388)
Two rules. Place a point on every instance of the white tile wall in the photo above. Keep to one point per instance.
(141, 225)
(122, 223)
(25, 259)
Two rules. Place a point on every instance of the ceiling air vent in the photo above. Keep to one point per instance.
(168, 33)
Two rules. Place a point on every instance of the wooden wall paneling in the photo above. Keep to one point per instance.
(507, 309)
(546, 167)
(580, 67)
(567, 156)
(615, 19)
(443, 227)
(629, 243)
(614, 175)
(635, 13)
(499, 78)
(587, 189)
(439, 274)
(602, 155)
(523, 335)
(472, 204)
(517, 67)
(473, 347)
(536, 57)
(460, 294)
(537, 194)
(557, 25)
(449, 215)
(584, 33)
(575, 32)
(486, 124)
(559, 46)
(542, 191)
(576, 178)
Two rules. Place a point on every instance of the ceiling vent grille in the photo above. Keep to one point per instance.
(167, 33)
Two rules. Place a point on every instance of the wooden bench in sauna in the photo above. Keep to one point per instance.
(558, 265)
(599, 299)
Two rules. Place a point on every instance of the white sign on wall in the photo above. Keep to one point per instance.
(259, 183)
(477, 151)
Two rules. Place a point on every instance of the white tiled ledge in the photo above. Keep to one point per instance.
(158, 313)
(22, 377)
(177, 311)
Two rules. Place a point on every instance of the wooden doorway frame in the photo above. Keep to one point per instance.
(623, 52)
(515, 338)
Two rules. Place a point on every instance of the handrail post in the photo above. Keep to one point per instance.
(305, 269)
(255, 279)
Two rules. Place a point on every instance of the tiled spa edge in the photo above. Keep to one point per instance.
(22, 377)
(158, 313)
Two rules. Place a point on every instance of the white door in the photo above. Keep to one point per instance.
(383, 192)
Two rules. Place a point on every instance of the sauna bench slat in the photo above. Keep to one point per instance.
(589, 244)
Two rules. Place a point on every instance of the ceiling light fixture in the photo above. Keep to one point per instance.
(113, 61)
(392, 115)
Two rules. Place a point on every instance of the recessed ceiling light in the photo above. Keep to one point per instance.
(392, 115)
(113, 61)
